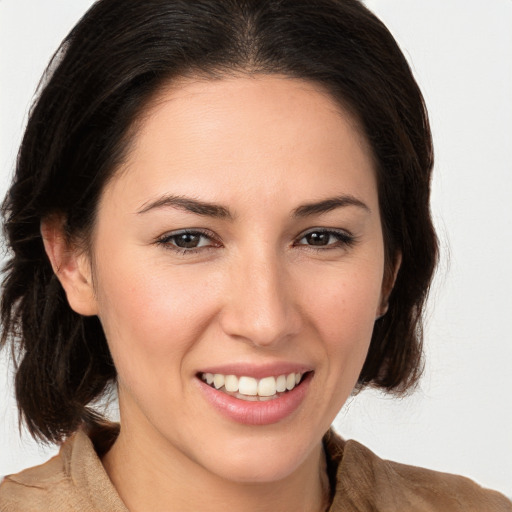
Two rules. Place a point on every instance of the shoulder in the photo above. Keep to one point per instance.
(49, 486)
(73, 480)
(28, 489)
(364, 481)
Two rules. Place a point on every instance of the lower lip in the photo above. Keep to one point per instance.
(257, 413)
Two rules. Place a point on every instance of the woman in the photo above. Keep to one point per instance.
(222, 208)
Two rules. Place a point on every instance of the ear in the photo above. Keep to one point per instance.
(387, 285)
(71, 266)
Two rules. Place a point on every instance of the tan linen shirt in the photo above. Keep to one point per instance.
(75, 481)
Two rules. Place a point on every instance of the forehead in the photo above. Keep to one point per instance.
(265, 135)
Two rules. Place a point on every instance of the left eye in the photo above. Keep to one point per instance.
(322, 238)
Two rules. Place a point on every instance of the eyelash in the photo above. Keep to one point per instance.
(344, 240)
(165, 241)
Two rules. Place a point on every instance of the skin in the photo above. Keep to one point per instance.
(255, 291)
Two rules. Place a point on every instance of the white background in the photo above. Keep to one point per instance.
(460, 420)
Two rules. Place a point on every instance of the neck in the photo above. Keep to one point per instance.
(150, 474)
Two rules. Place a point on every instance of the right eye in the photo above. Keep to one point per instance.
(187, 241)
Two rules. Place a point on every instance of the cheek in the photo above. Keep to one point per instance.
(152, 314)
(343, 311)
(346, 302)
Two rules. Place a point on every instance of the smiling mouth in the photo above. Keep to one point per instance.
(251, 389)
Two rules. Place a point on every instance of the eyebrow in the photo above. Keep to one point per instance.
(189, 205)
(329, 204)
(208, 209)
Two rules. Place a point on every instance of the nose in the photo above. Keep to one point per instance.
(260, 304)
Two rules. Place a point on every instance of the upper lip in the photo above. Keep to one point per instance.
(257, 371)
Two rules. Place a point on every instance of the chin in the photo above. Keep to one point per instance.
(253, 469)
(269, 455)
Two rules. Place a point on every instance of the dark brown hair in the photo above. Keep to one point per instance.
(105, 72)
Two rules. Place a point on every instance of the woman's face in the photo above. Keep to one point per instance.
(241, 237)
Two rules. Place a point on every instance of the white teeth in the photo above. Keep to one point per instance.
(267, 386)
(281, 383)
(250, 387)
(231, 383)
(218, 380)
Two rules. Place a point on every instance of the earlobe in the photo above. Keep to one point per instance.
(71, 266)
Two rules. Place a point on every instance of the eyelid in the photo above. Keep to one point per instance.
(165, 240)
(344, 238)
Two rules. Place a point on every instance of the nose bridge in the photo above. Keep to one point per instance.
(260, 307)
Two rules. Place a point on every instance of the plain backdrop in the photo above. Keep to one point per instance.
(460, 419)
